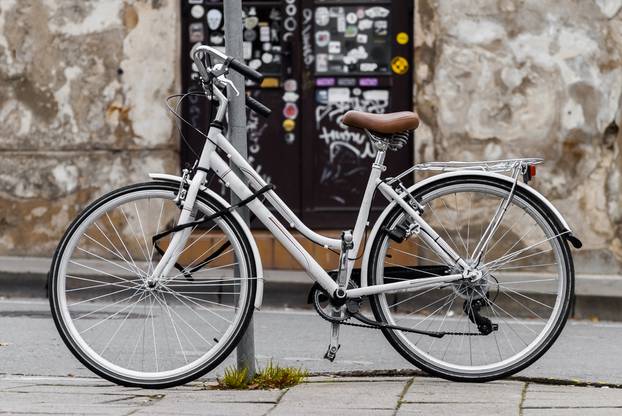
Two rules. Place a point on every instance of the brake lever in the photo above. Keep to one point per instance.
(229, 83)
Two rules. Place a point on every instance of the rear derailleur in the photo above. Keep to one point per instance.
(472, 309)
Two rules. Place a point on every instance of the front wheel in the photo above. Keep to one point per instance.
(494, 326)
(136, 332)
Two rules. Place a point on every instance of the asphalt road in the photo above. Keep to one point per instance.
(30, 345)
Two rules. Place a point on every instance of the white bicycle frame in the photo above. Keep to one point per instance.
(210, 159)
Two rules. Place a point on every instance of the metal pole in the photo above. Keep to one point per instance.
(237, 133)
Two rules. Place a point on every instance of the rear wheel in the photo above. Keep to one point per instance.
(496, 325)
(135, 333)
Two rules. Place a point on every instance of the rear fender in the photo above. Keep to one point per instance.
(243, 226)
(561, 222)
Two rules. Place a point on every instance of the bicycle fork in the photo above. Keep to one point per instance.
(179, 239)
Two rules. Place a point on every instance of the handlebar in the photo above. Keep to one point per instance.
(245, 70)
(229, 62)
(258, 107)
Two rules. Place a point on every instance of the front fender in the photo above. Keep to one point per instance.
(243, 226)
(563, 225)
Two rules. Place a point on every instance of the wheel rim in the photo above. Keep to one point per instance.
(443, 315)
(184, 327)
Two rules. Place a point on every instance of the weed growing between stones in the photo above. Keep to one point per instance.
(272, 376)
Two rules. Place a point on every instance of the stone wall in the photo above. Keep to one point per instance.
(512, 78)
(82, 85)
(82, 88)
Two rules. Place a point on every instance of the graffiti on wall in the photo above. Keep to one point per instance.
(344, 152)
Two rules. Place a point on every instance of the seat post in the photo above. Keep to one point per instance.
(381, 150)
(379, 161)
(376, 172)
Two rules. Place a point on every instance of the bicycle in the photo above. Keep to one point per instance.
(468, 273)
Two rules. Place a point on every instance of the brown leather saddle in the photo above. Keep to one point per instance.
(389, 123)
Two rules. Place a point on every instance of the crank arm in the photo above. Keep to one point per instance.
(385, 325)
(334, 346)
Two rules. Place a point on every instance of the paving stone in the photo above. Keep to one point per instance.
(573, 412)
(462, 409)
(310, 411)
(432, 390)
(360, 398)
(8, 385)
(550, 396)
(226, 396)
(215, 402)
(79, 390)
(339, 379)
(16, 403)
(435, 396)
(193, 408)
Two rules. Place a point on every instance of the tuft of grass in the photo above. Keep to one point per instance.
(234, 379)
(272, 376)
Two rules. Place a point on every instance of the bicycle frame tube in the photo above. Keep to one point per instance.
(210, 159)
(315, 271)
(295, 222)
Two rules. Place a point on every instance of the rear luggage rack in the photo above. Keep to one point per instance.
(523, 165)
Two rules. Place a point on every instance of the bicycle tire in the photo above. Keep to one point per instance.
(207, 203)
(398, 341)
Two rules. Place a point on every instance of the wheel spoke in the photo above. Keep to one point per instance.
(455, 246)
(106, 260)
(134, 234)
(122, 243)
(191, 299)
(170, 317)
(109, 316)
(116, 250)
(104, 296)
(148, 246)
(507, 257)
(121, 326)
(100, 283)
(417, 256)
(122, 279)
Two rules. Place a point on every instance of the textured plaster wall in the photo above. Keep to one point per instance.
(512, 78)
(82, 85)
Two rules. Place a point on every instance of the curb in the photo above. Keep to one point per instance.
(348, 377)
(596, 296)
(401, 373)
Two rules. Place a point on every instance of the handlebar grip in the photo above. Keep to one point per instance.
(258, 107)
(248, 72)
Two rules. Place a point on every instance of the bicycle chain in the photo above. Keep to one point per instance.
(345, 322)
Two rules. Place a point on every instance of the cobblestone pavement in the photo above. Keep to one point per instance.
(318, 396)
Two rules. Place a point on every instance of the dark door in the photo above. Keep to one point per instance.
(270, 33)
(321, 58)
(358, 58)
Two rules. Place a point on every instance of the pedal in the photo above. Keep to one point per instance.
(331, 353)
